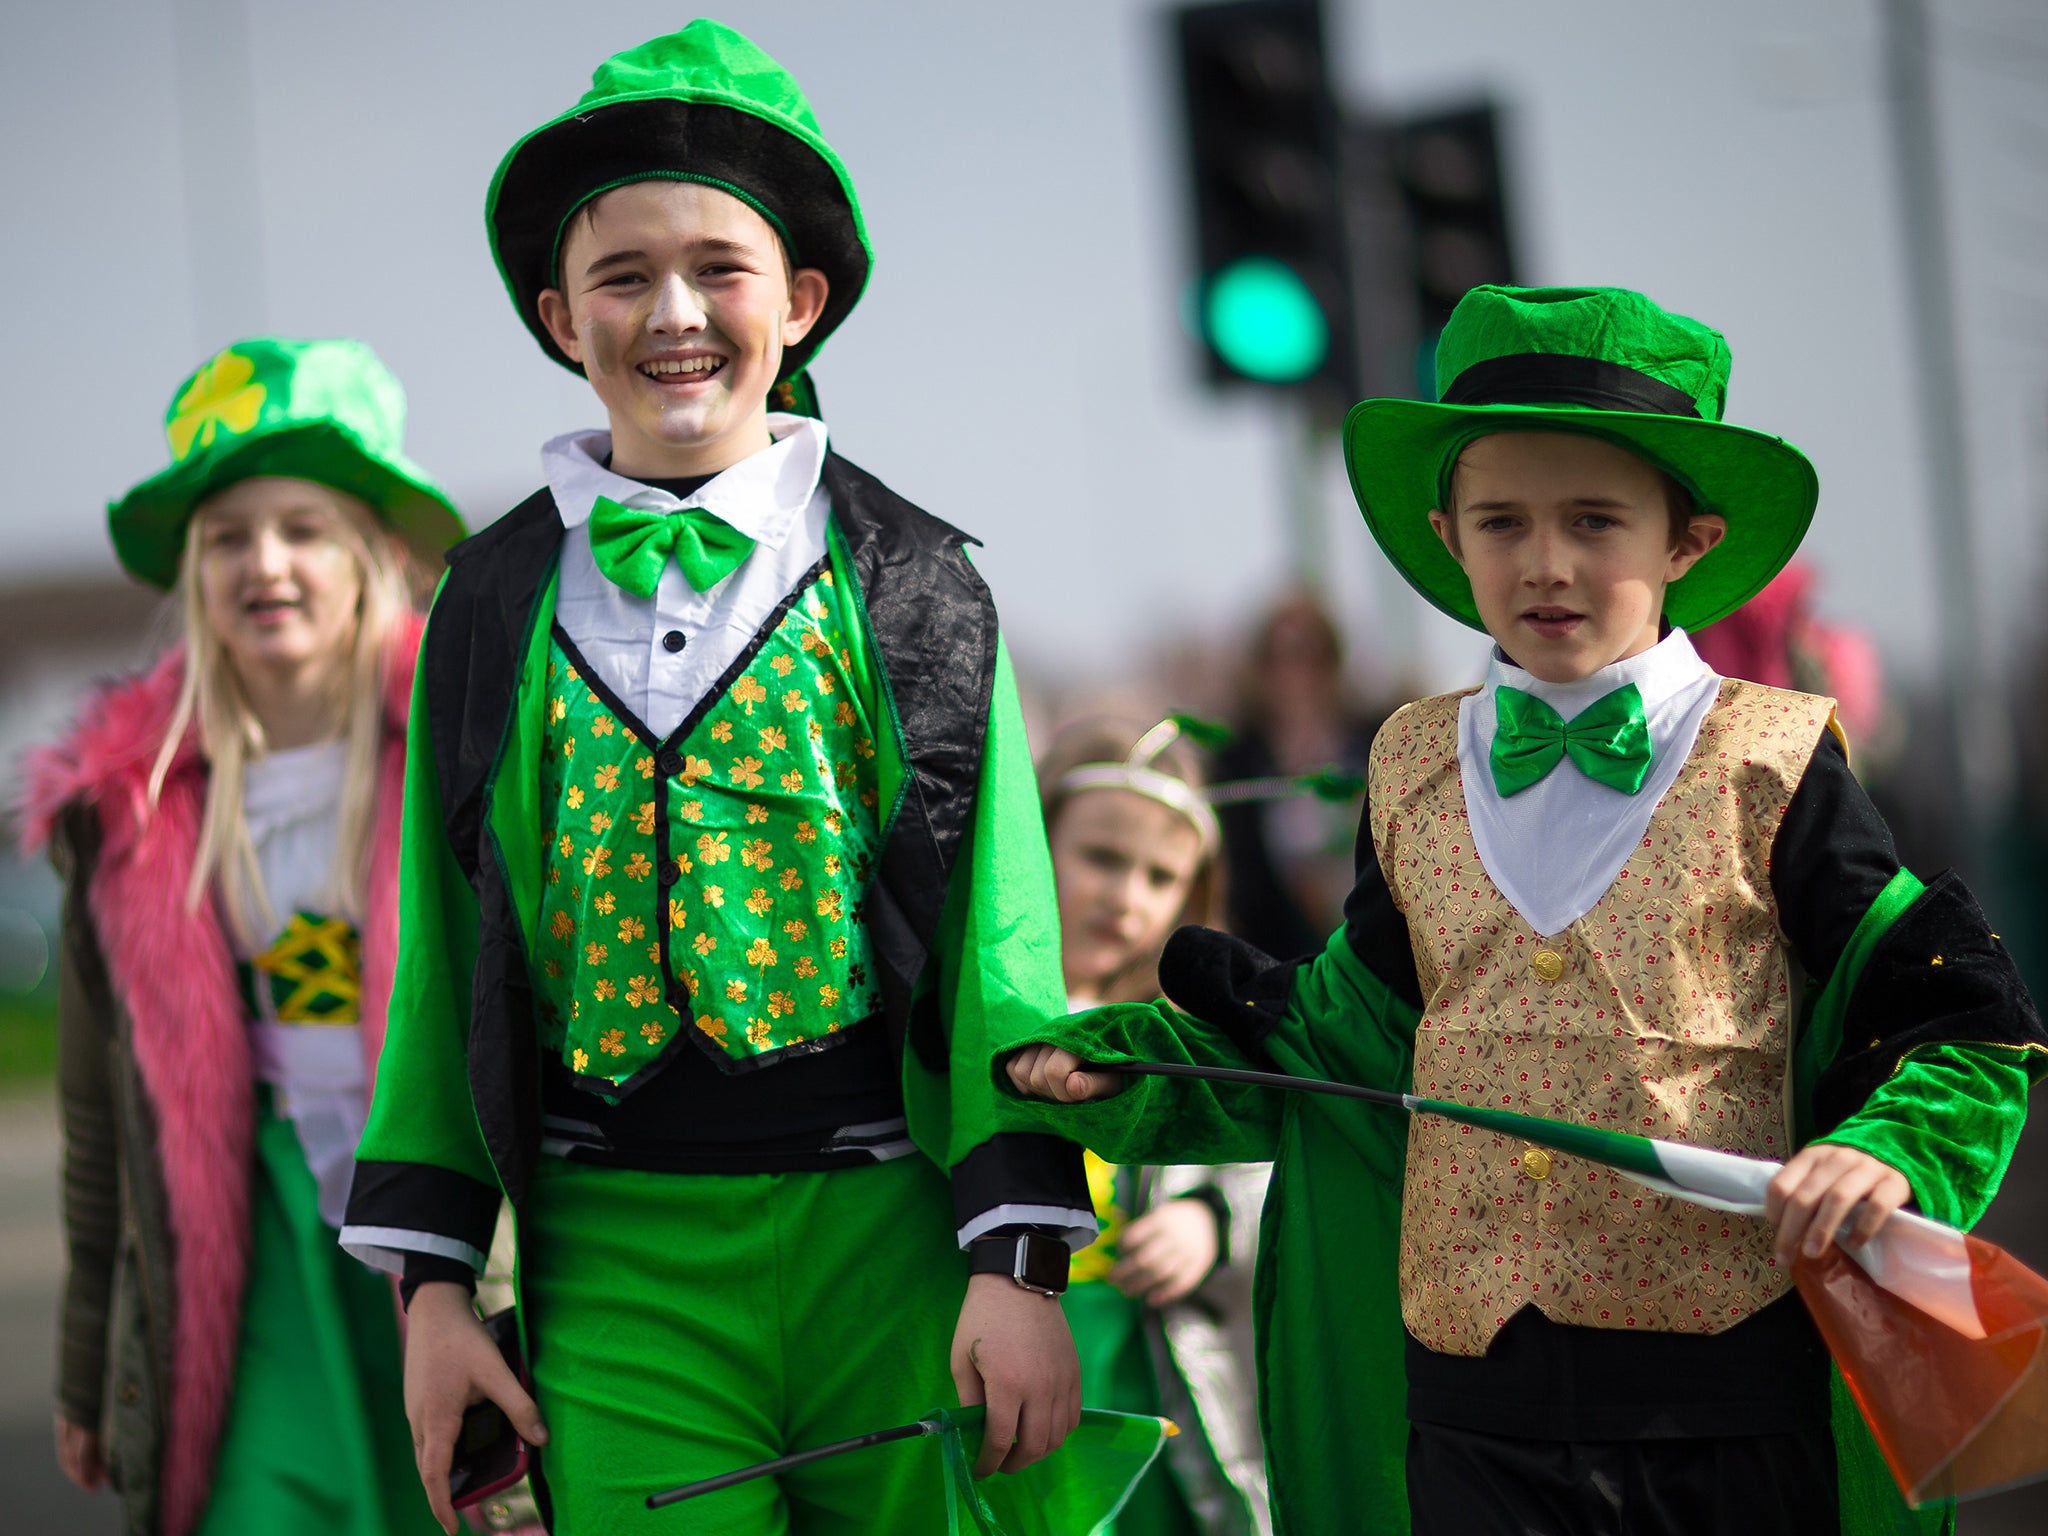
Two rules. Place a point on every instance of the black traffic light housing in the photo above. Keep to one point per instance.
(1263, 131)
(1447, 166)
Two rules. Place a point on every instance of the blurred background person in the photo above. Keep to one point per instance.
(1290, 857)
(1160, 1305)
(227, 828)
(1778, 640)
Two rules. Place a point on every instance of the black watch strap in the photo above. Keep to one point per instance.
(1036, 1262)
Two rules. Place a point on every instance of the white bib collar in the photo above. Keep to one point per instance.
(1554, 849)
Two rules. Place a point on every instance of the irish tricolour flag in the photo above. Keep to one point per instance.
(1942, 1338)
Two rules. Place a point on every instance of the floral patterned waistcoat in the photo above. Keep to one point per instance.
(1666, 1010)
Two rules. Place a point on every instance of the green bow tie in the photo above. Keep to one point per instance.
(633, 547)
(1609, 740)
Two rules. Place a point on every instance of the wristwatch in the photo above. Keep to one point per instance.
(1036, 1263)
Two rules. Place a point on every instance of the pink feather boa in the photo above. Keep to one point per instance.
(175, 974)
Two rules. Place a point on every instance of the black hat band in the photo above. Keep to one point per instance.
(1561, 378)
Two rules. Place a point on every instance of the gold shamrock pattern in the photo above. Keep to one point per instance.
(722, 901)
(1664, 1011)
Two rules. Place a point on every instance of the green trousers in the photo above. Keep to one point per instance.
(683, 1325)
(315, 1438)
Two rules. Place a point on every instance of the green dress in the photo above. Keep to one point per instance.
(1117, 1369)
(316, 1436)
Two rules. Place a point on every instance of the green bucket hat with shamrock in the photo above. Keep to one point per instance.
(1605, 362)
(326, 411)
(704, 105)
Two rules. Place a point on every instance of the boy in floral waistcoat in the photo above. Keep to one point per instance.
(723, 879)
(1609, 887)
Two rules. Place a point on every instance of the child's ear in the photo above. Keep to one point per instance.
(554, 314)
(1702, 532)
(807, 292)
(1446, 528)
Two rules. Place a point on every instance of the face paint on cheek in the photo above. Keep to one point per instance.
(603, 349)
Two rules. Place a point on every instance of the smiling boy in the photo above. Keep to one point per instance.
(723, 852)
(1592, 889)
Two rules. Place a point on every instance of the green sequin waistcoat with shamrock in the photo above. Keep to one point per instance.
(708, 885)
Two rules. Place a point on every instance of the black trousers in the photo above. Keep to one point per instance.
(1464, 1483)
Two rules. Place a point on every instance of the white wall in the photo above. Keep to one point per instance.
(1017, 365)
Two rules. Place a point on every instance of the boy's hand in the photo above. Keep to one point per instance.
(1014, 1352)
(450, 1364)
(1047, 1072)
(1167, 1252)
(1814, 1193)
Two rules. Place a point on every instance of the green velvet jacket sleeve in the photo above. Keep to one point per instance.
(1919, 1041)
(1335, 1019)
(1949, 1121)
(1155, 1120)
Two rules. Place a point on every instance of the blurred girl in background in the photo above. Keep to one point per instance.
(1160, 1305)
(227, 828)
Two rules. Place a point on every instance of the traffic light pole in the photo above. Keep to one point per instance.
(1304, 445)
(1974, 763)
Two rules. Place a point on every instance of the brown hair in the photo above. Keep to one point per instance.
(1111, 741)
(1680, 505)
(587, 211)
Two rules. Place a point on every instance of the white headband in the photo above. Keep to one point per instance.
(1136, 774)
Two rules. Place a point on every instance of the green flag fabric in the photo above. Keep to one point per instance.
(1076, 1491)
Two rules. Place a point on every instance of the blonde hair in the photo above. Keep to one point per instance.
(211, 698)
(1111, 741)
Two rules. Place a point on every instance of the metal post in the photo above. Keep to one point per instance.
(1308, 521)
(1978, 766)
(217, 137)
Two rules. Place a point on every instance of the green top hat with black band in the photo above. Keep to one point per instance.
(1605, 362)
(705, 105)
(325, 410)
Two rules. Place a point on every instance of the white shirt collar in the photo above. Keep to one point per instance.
(1554, 849)
(762, 496)
(1665, 670)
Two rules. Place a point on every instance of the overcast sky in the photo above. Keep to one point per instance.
(1017, 366)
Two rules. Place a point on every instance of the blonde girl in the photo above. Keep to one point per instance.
(227, 828)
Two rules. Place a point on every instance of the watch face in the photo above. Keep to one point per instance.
(1042, 1263)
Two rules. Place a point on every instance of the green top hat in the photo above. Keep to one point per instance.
(705, 105)
(1604, 362)
(316, 410)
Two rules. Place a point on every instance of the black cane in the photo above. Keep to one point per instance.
(791, 1462)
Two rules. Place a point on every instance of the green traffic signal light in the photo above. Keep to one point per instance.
(1262, 320)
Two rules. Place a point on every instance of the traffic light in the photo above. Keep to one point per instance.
(1447, 166)
(1270, 297)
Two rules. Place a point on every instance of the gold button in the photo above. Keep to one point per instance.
(1548, 965)
(1536, 1163)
